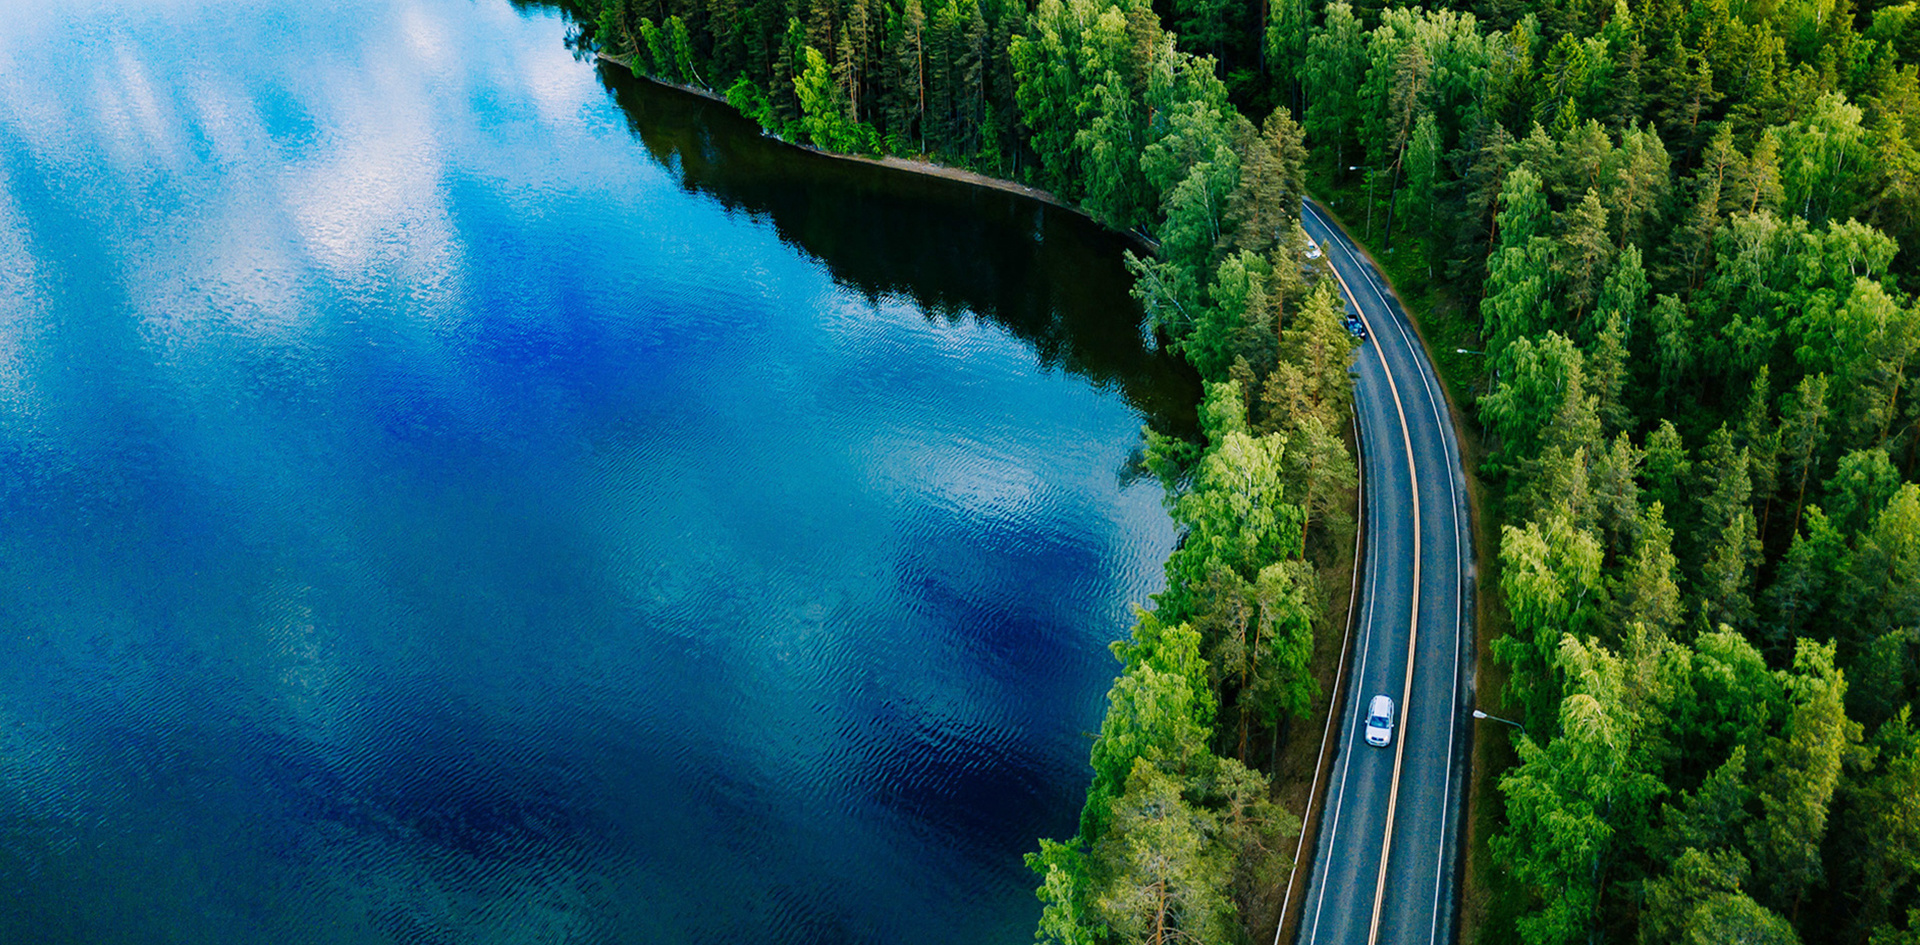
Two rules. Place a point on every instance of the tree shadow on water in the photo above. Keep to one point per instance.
(1047, 275)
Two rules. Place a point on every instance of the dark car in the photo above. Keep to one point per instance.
(1356, 327)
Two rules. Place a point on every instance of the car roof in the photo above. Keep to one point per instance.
(1381, 705)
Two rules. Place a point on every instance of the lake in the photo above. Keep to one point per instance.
(455, 492)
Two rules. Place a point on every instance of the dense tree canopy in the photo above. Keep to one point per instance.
(1678, 229)
(1682, 232)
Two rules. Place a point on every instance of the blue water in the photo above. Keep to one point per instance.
(450, 492)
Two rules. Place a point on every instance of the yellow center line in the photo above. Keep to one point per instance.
(1413, 629)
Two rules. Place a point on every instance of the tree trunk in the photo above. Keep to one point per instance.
(1393, 193)
(1159, 936)
(1800, 500)
(1246, 667)
(1893, 402)
(920, 73)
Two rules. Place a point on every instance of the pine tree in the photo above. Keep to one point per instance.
(973, 79)
(1616, 493)
(1884, 836)
(1803, 419)
(1480, 187)
(1335, 72)
(1583, 255)
(1804, 770)
(1703, 903)
(1609, 361)
(1673, 333)
(1727, 575)
(912, 53)
(943, 49)
(1711, 185)
(1265, 207)
(1166, 878)
(850, 68)
(1425, 173)
(1640, 184)
(1759, 185)
(1251, 823)
(1761, 439)
(1689, 97)
(1517, 301)
(822, 22)
(1648, 590)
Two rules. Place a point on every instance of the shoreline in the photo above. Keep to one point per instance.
(958, 175)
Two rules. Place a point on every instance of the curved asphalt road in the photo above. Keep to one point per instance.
(1389, 836)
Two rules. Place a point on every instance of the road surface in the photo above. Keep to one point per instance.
(1384, 866)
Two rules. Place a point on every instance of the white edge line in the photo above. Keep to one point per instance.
(1366, 650)
(1427, 381)
(1413, 633)
(1340, 668)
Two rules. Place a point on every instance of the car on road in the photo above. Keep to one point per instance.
(1380, 721)
(1356, 327)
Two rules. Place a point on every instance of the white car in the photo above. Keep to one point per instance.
(1380, 721)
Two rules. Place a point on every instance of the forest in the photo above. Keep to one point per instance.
(1179, 834)
(1681, 235)
(1675, 228)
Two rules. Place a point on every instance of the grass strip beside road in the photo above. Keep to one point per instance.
(1329, 671)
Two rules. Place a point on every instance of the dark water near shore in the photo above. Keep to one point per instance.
(453, 493)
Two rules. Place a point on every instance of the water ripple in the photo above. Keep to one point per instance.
(442, 501)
